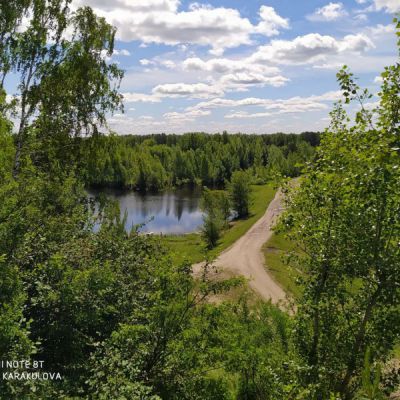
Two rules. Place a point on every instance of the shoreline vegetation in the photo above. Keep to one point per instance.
(191, 248)
(156, 162)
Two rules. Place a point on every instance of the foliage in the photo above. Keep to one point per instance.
(216, 208)
(190, 247)
(345, 217)
(370, 381)
(155, 162)
(211, 229)
(110, 310)
(65, 86)
(280, 259)
(240, 193)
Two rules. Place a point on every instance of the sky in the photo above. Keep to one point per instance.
(246, 66)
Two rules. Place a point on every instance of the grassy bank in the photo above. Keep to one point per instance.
(191, 247)
(274, 251)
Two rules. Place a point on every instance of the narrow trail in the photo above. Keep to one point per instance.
(245, 256)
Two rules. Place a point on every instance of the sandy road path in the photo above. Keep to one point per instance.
(245, 256)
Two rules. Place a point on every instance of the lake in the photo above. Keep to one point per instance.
(170, 212)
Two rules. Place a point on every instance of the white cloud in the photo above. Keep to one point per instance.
(356, 43)
(160, 21)
(271, 22)
(330, 12)
(380, 30)
(379, 37)
(293, 105)
(132, 5)
(145, 62)
(194, 90)
(242, 79)
(290, 105)
(186, 116)
(168, 64)
(140, 97)
(378, 79)
(122, 52)
(245, 115)
(301, 50)
(361, 17)
(391, 6)
(225, 65)
(309, 48)
(146, 118)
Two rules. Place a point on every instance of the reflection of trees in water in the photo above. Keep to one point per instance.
(179, 206)
(168, 208)
(192, 203)
(168, 200)
(148, 205)
(189, 197)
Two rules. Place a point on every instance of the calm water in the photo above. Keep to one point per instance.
(174, 212)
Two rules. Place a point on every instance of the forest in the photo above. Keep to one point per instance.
(154, 162)
(111, 312)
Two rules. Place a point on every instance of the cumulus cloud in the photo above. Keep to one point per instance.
(283, 107)
(186, 116)
(269, 108)
(330, 12)
(131, 5)
(194, 90)
(161, 21)
(246, 115)
(145, 62)
(290, 105)
(130, 97)
(168, 64)
(122, 52)
(380, 30)
(237, 74)
(242, 79)
(391, 6)
(225, 65)
(146, 118)
(310, 48)
(356, 43)
(271, 22)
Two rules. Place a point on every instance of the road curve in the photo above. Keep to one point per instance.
(245, 256)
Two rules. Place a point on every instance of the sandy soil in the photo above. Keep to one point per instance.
(245, 256)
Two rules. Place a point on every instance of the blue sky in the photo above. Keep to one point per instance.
(249, 66)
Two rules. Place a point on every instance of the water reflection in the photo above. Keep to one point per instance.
(174, 212)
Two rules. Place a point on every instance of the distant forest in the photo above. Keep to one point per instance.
(154, 162)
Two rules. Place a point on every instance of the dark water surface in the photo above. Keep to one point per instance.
(175, 212)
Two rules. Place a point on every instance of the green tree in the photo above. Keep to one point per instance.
(346, 218)
(240, 193)
(216, 207)
(211, 229)
(66, 87)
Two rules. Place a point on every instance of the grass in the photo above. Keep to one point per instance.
(188, 247)
(274, 252)
(191, 248)
(396, 351)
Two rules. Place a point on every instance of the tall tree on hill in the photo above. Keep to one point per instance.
(346, 217)
(66, 85)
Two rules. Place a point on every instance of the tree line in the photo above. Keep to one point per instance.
(154, 162)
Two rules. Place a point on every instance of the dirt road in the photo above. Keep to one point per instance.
(245, 256)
